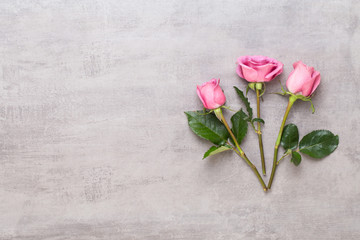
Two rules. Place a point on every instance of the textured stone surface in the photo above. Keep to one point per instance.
(94, 143)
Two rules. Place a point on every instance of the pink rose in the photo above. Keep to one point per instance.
(303, 79)
(211, 94)
(258, 68)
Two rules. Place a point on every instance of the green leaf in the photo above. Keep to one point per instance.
(245, 100)
(239, 125)
(319, 143)
(260, 120)
(207, 126)
(296, 158)
(290, 137)
(216, 149)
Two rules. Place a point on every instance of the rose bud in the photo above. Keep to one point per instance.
(211, 94)
(303, 79)
(258, 68)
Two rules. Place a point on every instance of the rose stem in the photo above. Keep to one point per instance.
(241, 152)
(292, 99)
(259, 133)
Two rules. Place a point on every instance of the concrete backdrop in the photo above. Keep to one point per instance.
(95, 145)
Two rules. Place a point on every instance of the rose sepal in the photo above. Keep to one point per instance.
(256, 85)
(250, 86)
(297, 96)
(218, 113)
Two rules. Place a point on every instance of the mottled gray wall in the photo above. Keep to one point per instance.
(95, 145)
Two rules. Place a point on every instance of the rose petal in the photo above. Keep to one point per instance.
(277, 71)
(198, 91)
(317, 77)
(239, 71)
(249, 74)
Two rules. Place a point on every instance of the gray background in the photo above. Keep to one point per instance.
(95, 145)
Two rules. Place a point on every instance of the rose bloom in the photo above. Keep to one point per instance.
(211, 94)
(303, 79)
(258, 68)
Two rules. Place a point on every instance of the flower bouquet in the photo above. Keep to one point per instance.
(211, 124)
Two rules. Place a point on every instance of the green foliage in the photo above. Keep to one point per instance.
(215, 150)
(239, 125)
(260, 120)
(319, 143)
(207, 126)
(295, 158)
(245, 100)
(290, 137)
